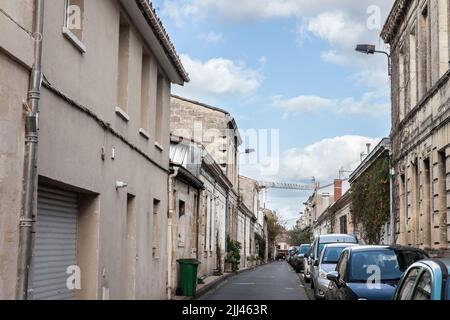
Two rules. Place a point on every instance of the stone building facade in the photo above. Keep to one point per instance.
(418, 34)
(185, 191)
(209, 226)
(103, 151)
(217, 131)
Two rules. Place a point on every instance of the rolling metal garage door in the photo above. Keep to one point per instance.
(55, 243)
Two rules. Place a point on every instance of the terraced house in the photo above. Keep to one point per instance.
(96, 206)
(418, 34)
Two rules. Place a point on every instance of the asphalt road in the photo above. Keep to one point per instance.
(274, 281)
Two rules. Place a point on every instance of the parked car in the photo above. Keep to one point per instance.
(318, 245)
(370, 272)
(290, 254)
(306, 267)
(425, 280)
(327, 262)
(297, 259)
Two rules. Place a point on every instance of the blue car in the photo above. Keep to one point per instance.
(370, 272)
(425, 280)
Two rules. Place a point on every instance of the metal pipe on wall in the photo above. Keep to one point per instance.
(172, 208)
(30, 172)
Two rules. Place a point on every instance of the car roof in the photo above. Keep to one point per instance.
(340, 245)
(432, 262)
(378, 247)
(333, 237)
(305, 244)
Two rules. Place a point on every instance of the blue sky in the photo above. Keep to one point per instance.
(289, 65)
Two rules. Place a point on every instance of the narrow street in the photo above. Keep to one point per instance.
(274, 281)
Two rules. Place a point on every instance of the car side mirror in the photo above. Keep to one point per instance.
(333, 276)
(316, 263)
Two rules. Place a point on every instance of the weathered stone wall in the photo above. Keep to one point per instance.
(420, 131)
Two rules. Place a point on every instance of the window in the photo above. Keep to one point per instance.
(159, 109)
(145, 95)
(426, 203)
(123, 66)
(206, 245)
(408, 284)
(156, 228)
(413, 68)
(423, 289)
(74, 22)
(401, 84)
(342, 265)
(424, 46)
(343, 224)
(181, 208)
(211, 221)
(443, 45)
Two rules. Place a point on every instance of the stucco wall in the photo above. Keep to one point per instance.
(14, 64)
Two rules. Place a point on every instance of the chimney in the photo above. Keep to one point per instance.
(368, 145)
(337, 189)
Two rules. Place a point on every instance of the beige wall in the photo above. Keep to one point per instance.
(184, 229)
(420, 137)
(77, 123)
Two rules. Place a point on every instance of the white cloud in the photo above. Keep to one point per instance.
(308, 104)
(323, 159)
(342, 24)
(218, 77)
(211, 37)
(371, 104)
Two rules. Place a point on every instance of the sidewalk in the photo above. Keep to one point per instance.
(212, 282)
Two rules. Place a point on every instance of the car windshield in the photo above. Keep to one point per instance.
(323, 244)
(331, 255)
(304, 249)
(388, 264)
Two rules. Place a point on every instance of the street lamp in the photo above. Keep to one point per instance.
(370, 49)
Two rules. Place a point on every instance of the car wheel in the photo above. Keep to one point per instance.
(307, 280)
(316, 295)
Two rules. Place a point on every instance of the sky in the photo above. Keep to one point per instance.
(287, 71)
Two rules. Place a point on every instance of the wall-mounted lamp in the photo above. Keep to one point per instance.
(120, 185)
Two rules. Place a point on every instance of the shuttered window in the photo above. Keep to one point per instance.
(55, 244)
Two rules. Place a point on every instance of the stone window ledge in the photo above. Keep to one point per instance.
(159, 146)
(74, 39)
(121, 113)
(144, 133)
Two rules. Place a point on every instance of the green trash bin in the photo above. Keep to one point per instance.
(188, 276)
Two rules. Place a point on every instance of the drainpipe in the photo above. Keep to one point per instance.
(197, 223)
(30, 172)
(391, 198)
(169, 231)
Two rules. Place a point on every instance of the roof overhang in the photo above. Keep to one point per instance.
(150, 27)
(394, 19)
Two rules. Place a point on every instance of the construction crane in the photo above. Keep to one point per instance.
(293, 186)
(286, 186)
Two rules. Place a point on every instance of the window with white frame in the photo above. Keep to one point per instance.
(74, 22)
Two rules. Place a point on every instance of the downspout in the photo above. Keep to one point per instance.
(391, 204)
(169, 231)
(197, 223)
(30, 159)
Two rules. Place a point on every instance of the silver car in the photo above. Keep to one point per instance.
(312, 262)
(327, 262)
